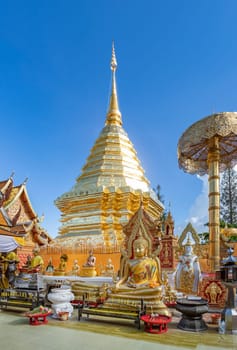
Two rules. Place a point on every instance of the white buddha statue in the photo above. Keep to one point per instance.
(188, 272)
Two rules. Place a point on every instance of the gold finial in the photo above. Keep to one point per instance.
(113, 114)
(25, 181)
(113, 64)
(189, 241)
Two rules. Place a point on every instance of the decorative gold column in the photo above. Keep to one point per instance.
(209, 146)
(214, 202)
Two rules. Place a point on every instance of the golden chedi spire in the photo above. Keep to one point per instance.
(113, 114)
(111, 184)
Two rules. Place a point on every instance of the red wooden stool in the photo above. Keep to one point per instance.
(156, 324)
(38, 319)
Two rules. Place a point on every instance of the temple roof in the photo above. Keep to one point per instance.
(17, 192)
(17, 216)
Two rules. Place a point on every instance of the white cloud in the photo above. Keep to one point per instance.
(198, 214)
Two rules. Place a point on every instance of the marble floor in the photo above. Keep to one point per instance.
(95, 333)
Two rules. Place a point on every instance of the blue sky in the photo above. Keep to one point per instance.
(176, 64)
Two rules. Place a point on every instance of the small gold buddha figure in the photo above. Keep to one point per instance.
(109, 269)
(8, 267)
(28, 261)
(12, 261)
(50, 268)
(91, 260)
(75, 268)
(61, 270)
(88, 269)
(3, 269)
(170, 294)
(36, 263)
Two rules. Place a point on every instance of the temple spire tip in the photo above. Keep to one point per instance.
(113, 114)
(113, 64)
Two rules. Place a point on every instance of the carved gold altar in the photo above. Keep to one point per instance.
(140, 272)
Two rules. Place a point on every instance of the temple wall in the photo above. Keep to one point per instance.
(102, 255)
(79, 254)
(23, 252)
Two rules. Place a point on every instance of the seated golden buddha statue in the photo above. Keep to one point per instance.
(109, 269)
(61, 270)
(8, 267)
(34, 264)
(50, 268)
(141, 271)
(75, 268)
(141, 280)
(89, 269)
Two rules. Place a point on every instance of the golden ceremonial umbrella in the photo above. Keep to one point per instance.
(209, 146)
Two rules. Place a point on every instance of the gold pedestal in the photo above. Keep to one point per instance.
(59, 273)
(88, 271)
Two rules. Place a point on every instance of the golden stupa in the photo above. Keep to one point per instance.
(111, 185)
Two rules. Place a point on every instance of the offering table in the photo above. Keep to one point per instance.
(155, 324)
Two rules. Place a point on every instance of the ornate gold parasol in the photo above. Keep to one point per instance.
(209, 146)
